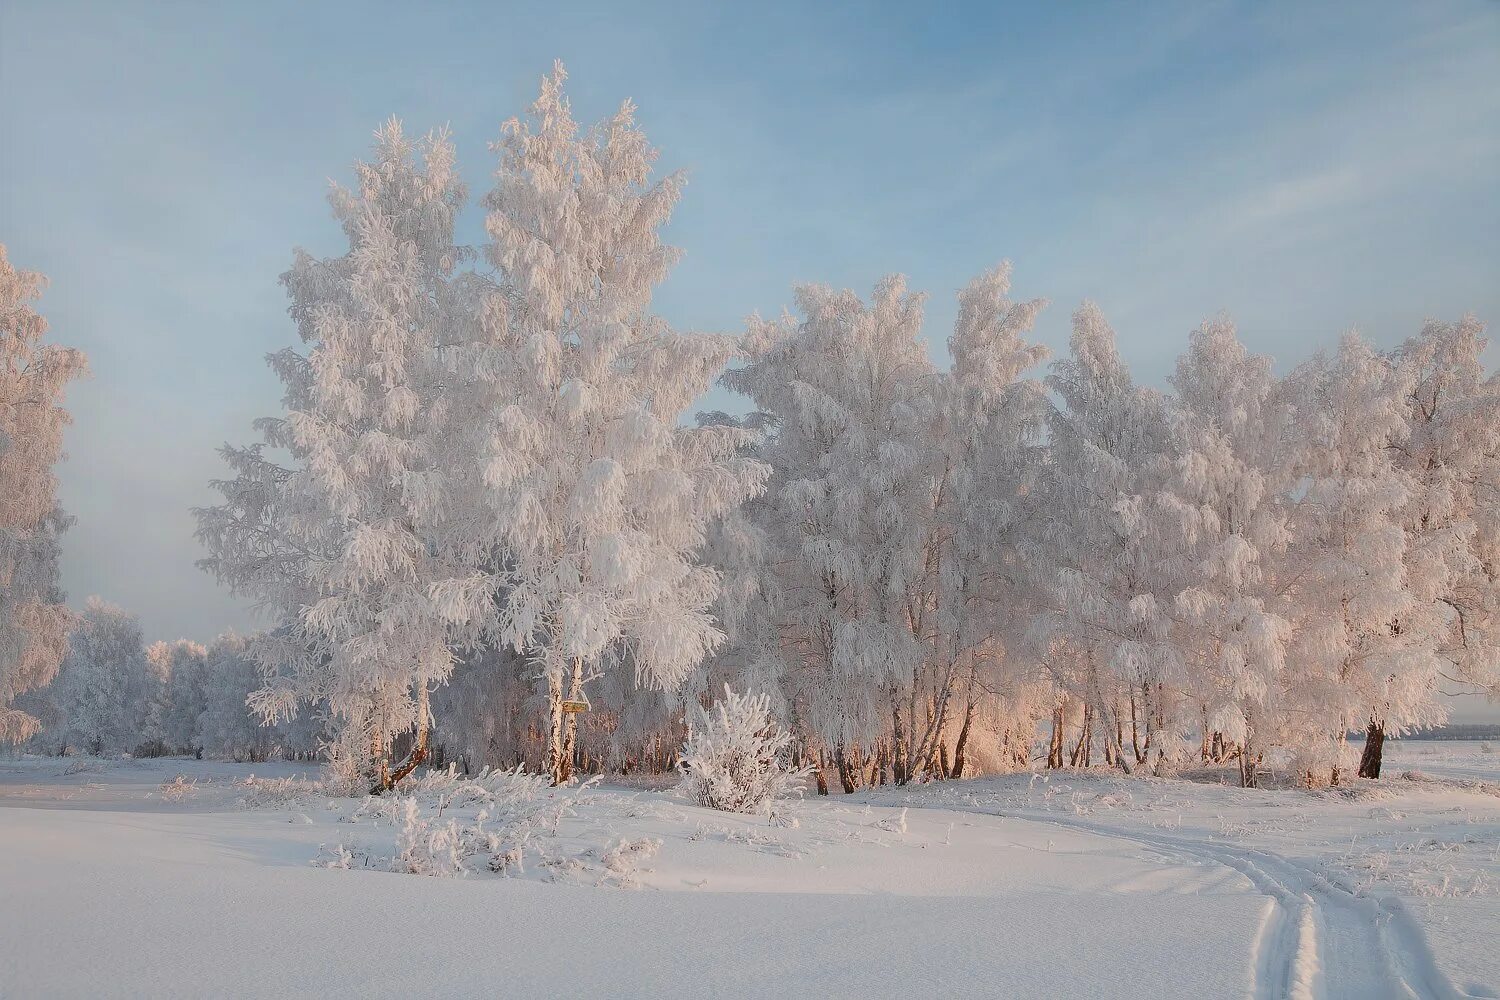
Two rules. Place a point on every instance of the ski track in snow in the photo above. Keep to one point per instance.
(1319, 941)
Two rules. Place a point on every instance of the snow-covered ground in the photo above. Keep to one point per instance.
(122, 881)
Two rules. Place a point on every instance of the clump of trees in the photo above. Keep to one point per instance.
(113, 694)
(495, 514)
(488, 533)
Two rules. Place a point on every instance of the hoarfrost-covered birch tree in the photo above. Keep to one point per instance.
(1115, 538)
(1235, 470)
(993, 417)
(850, 396)
(1451, 459)
(600, 498)
(34, 622)
(1365, 645)
(104, 691)
(182, 665)
(333, 543)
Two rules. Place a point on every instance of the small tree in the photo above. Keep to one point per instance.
(735, 757)
(34, 622)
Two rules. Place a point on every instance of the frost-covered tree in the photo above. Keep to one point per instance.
(1115, 543)
(335, 543)
(182, 700)
(894, 542)
(227, 728)
(34, 622)
(990, 438)
(850, 398)
(1365, 642)
(598, 498)
(105, 688)
(1234, 471)
(1451, 460)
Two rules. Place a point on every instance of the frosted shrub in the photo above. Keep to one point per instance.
(276, 793)
(451, 824)
(178, 788)
(735, 757)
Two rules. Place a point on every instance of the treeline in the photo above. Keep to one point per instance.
(115, 695)
(487, 530)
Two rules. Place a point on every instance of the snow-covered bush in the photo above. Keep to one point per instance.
(277, 793)
(735, 756)
(177, 788)
(440, 832)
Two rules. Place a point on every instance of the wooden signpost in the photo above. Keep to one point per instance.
(575, 706)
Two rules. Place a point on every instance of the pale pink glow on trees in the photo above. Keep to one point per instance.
(483, 466)
(34, 622)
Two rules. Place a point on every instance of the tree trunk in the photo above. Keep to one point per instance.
(1083, 750)
(1206, 754)
(418, 751)
(962, 746)
(1135, 733)
(900, 752)
(1055, 748)
(555, 726)
(570, 726)
(1369, 761)
(378, 782)
(846, 772)
(1249, 776)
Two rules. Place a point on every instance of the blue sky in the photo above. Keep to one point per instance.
(1305, 168)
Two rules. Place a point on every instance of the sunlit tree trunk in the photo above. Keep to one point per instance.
(555, 726)
(418, 752)
(570, 724)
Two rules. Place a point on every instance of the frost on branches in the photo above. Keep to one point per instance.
(334, 543)
(101, 701)
(848, 398)
(601, 499)
(736, 758)
(33, 619)
(482, 475)
(1234, 471)
(481, 461)
(1113, 558)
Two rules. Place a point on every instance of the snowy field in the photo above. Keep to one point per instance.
(123, 880)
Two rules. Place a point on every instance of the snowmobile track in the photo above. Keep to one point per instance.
(1319, 941)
